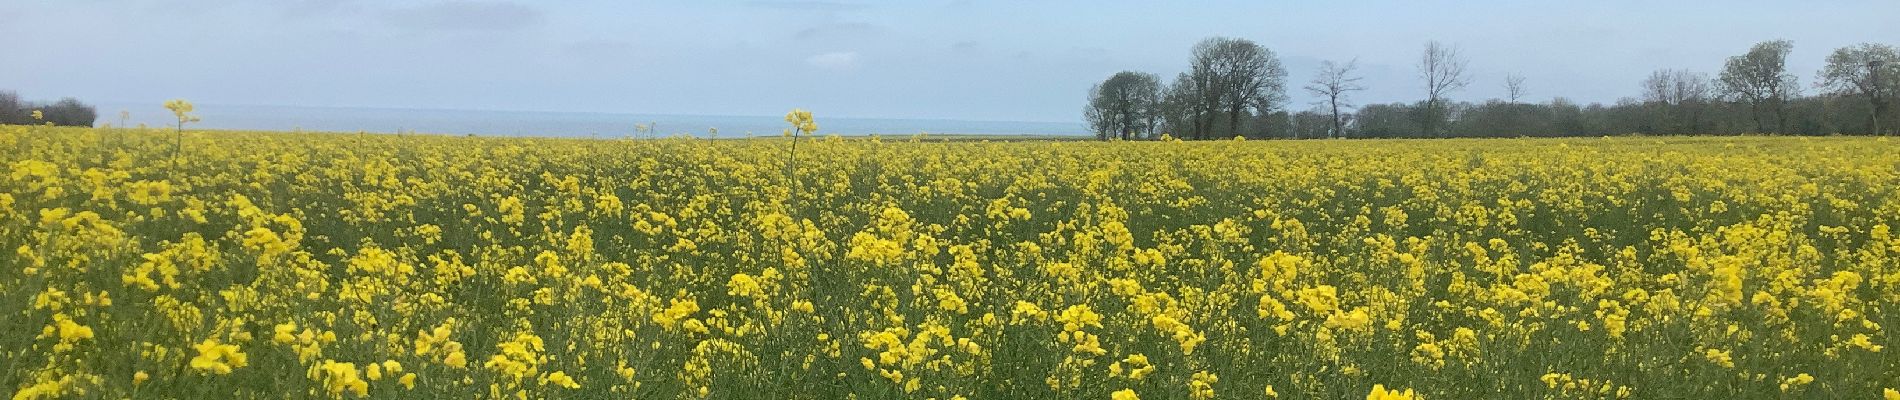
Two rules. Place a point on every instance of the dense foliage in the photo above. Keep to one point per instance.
(65, 112)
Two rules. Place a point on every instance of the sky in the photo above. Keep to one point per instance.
(962, 59)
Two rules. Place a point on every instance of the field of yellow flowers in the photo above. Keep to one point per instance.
(287, 265)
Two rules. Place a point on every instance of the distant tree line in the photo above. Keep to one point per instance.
(65, 112)
(1235, 87)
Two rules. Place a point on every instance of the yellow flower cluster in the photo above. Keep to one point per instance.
(1379, 392)
(267, 265)
(218, 358)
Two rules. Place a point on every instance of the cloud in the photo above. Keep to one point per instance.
(303, 9)
(836, 61)
(826, 6)
(600, 46)
(468, 16)
(839, 30)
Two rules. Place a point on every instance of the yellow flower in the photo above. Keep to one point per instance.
(70, 331)
(744, 285)
(801, 121)
(561, 379)
(1719, 357)
(217, 358)
(339, 377)
(1861, 340)
(181, 109)
(456, 359)
(149, 192)
(1355, 320)
(1380, 393)
(1125, 394)
(284, 333)
(1796, 382)
(1076, 317)
(1201, 386)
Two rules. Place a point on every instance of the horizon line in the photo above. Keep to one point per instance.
(588, 112)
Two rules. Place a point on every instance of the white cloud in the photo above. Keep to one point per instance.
(468, 15)
(836, 61)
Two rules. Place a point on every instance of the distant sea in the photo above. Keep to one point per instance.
(551, 124)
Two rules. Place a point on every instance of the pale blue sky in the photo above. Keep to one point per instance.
(968, 59)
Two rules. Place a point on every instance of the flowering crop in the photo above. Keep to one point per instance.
(414, 266)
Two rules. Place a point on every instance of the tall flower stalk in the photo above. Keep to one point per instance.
(802, 124)
(181, 109)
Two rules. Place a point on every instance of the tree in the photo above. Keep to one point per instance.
(1126, 106)
(1867, 70)
(1675, 87)
(13, 111)
(1444, 72)
(1506, 118)
(1386, 120)
(1234, 77)
(1513, 87)
(70, 112)
(1761, 79)
(1180, 106)
(1675, 100)
(1332, 86)
(65, 112)
(1311, 123)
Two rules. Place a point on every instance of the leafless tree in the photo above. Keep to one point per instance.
(1675, 99)
(1675, 87)
(1869, 70)
(1444, 72)
(1332, 85)
(1761, 79)
(1514, 87)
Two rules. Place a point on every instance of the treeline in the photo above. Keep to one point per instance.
(1235, 87)
(65, 112)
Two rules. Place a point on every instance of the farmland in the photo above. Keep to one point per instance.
(306, 265)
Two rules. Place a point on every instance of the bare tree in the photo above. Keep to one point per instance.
(1869, 70)
(1761, 79)
(1514, 87)
(1126, 106)
(1444, 72)
(1675, 87)
(1234, 77)
(1332, 86)
(1675, 99)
